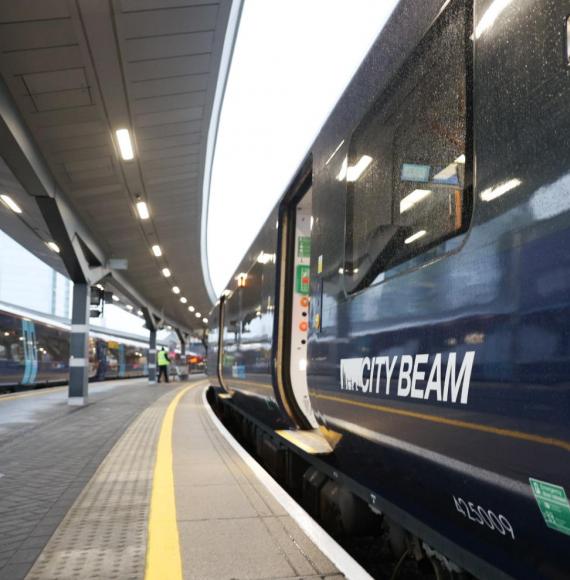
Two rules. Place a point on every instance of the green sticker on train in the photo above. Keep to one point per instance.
(553, 504)
(302, 280)
(304, 247)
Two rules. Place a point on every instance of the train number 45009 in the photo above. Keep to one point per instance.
(484, 517)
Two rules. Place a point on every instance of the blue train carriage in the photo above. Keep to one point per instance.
(34, 351)
(112, 357)
(414, 297)
(246, 331)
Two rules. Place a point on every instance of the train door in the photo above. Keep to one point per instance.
(10, 349)
(122, 361)
(101, 355)
(93, 364)
(112, 369)
(298, 303)
(220, 343)
(292, 320)
(30, 352)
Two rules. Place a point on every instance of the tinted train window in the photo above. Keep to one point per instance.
(16, 352)
(52, 344)
(405, 172)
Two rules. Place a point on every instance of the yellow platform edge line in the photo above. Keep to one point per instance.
(163, 560)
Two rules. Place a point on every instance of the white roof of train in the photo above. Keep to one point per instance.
(64, 324)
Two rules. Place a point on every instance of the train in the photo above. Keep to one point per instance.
(402, 319)
(34, 352)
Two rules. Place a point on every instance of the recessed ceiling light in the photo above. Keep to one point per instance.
(176, 290)
(157, 251)
(115, 298)
(125, 144)
(53, 247)
(140, 312)
(166, 273)
(183, 300)
(129, 307)
(191, 308)
(198, 315)
(205, 320)
(142, 209)
(11, 203)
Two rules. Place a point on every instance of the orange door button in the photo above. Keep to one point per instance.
(303, 326)
(304, 301)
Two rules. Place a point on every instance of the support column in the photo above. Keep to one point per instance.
(152, 357)
(79, 345)
(184, 373)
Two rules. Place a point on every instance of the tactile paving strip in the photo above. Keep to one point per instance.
(104, 535)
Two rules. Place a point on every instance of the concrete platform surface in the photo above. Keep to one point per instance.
(229, 525)
(48, 452)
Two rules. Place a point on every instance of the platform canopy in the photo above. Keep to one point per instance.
(73, 73)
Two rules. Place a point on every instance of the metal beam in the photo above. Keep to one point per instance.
(78, 248)
(79, 345)
(19, 149)
(54, 221)
(152, 357)
(183, 337)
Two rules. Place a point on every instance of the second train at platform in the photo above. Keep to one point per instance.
(34, 352)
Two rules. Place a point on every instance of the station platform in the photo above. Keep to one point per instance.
(141, 483)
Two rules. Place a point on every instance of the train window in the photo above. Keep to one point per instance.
(16, 352)
(407, 185)
(52, 344)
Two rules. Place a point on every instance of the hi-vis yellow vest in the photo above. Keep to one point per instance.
(162, 360)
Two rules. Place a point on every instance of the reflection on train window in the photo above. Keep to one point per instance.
(134, 358)
(52, 344)
(2, 352)
(16, 352)
(405, 172)
(10, 338)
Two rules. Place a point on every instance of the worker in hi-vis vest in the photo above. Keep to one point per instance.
(163, 362)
